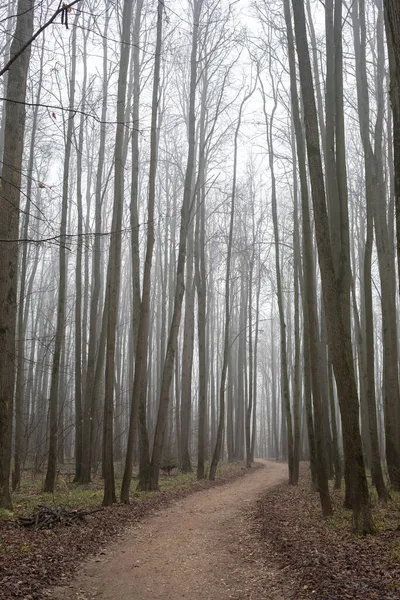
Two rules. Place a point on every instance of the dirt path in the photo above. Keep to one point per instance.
(200, 548)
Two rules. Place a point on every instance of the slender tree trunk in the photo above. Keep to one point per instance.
(187, 354)
(255, 395)
(78, 287)
(274, 391)
(249, 407)
(135, 174)
(297, 369)
(200, 273)
(200, 278)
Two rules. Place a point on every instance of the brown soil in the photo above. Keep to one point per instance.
(200, 548)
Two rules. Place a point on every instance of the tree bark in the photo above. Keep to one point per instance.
(297, 369)
(10, 188)
(200, 276)
(392, 24)
(78, 285)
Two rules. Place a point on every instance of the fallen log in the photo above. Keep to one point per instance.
(47, 517)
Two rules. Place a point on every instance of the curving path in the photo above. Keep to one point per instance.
(200, 548)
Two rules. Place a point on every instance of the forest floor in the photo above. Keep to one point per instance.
(325, 559)
(256, 538)
(30, 561)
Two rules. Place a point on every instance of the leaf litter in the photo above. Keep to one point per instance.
(324, 558)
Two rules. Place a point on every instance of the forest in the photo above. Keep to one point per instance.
(200, 256)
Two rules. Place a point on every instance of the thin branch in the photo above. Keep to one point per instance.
(60, 10)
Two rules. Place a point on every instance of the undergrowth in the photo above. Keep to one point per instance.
(386, 515)
(72, 495)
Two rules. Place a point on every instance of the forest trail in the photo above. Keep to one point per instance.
(195, 549)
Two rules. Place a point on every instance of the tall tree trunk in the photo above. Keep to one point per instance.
(297, 368)
(255, 395)
(392, 23)
(386, 264)
(274, 391)
(78, 285)
(200, 273)
(10, 188)
(11, 7)
(135, 174)
(249, 407)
